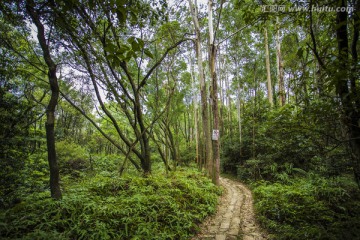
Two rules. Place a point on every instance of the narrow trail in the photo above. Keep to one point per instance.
(235, 218)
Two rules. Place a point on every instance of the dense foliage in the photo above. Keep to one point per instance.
(301, 179)
(105, 206)
(314, 207)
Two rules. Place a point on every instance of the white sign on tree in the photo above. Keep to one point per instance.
(215, 134)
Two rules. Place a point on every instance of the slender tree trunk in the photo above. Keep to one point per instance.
(203, 90)
(268, 72)
(50, 111)
(201, 142)
(196, 128)
(227, 90)
(144, 140)
(238, 106)
(354, 44)
(254, 115)
(189, 128)
(350, 107)
(172, 143)
(214, 96)
(239, 116)
(221, 101)
(229, 117)
(280, 69)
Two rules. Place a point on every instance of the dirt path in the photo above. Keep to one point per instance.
(234, 218)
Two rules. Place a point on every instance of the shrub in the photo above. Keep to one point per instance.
(187, 153)
(156, 207)
(285, 142)
(72, 158)
(309, 208)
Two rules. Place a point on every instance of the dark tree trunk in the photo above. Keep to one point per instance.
(349, 103)
(143, 139)
(215, 110)
(50, 111)
(146, 161)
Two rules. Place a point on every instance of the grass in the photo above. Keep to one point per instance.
(110, 207)
(313, 207)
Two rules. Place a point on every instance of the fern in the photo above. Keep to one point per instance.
(103, 207)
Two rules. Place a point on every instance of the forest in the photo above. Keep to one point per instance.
(120, 119)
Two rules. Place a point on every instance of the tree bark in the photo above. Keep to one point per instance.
(350, 107)
(203, 91)
(239, 117)
(280, 68)
(196, 128)
(50, 111)
(268, 72)
(214, 97)
(354, 71)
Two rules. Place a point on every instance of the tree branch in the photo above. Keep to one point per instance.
(236, 32)
(112, 141)
(312, 35)
(143, 82)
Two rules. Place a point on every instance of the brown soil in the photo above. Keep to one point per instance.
(235, 218)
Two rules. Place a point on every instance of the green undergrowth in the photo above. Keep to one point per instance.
(314, 207)
(110, 207)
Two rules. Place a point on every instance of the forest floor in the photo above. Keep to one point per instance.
(235, 217)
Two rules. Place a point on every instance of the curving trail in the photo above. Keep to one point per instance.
(235, 218)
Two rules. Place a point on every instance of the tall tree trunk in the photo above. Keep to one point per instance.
(280, 69)
(254, 114)
(203, 91)
(354, 71)
(227, 83)
(171, 141)
(221, 101)
(50, 110)
(268, 72)
(196, 128)
(143, 139)
(214, 96)
(238, 106)
(350, 107)
(239, 116)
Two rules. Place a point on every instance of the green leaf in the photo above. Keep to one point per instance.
(120, 2)
(148, 53)
(130, 54)
(110, 47)
(140, 42)
(131, 40)
(121, 14)
(136, 44)
(300, 52)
